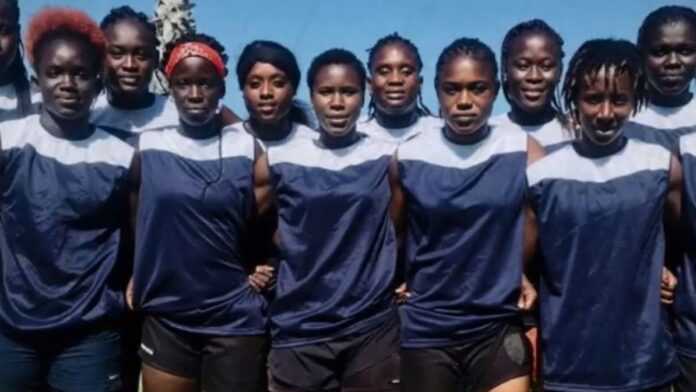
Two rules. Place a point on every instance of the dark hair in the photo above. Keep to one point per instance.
(396, 39)
(466, 47)
(534, 26)
(336, 56)
(16, 70)
(127, 13)
(662, 16)
(194, 37)
(278, 56)
(596, 54)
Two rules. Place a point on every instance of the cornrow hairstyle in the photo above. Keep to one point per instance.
(662, 16)
(53, 23)
(396, 39)
(597, 54)
(534, 26)
(16, 70)
(127, 13)
(216, 46)
(469, 47)
(336, 56)
(278, 56)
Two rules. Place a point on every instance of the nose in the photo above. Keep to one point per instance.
(337, 102)
(673, 59)
(534, 75)
(129, 62)
(464, 101)
(195, 94)
(266, 91)
(395, 78)
(606, 111)
(68, 82)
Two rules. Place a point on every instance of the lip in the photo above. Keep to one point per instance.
(395, 94)
(533, 94)
(129, 79)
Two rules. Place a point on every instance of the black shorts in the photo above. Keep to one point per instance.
(366, 362)
(474, 366)
(220, 363)
(687, 378)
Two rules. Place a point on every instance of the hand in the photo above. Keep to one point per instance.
(528, 295)
(262, 278)
(667, 286)
(129, 294)
(402, 294)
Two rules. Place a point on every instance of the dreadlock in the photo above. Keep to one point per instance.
(16, 70)
(393, 40)
(662, 16)
(127, 13)
(470, 47)
(595, 55)
(534, 26)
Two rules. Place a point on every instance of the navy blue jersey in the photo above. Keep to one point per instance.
(337, 242)
(601, 236)
(685, 299)
(196, 196)
(551, 135)
(464, 246)
(372, 127)
(665, 125)
(63, 207)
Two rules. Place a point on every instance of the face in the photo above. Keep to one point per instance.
(131, 57)
(395, 82)
(670, 60)
(267, 93)
(337, 97)
(9, 36)
(604, 102)
(68, 79)
(197, 89)
(466, 90)
(533, 71)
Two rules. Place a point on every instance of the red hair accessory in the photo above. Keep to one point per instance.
(194, 49)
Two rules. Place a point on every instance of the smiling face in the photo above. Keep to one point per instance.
(395, 81)
(131, 58)
(197, 89)
(268, 94)
(670, 58)
(68, 77)
(533, 70)
(337, 96)
(466, 90)
(605, 101)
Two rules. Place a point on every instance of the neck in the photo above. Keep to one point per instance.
(521, 117)
(73, 129)
(470, 138)
(331, 141)
(269, 132)
(670, 101)
(396, 121)
(131, 101)
(586, 147)
(204, 131)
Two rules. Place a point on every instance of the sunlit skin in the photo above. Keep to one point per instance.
(337, 96)
(197, 89)
(533, 70)
(268, 96)
(9, 36)
(605, 101)
(466, 91)
(395, 81)
(131, 58)
(670, 63)
(68, 79)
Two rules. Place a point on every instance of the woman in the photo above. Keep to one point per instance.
(467, 237)
(531, 67)
(396, 109)
(333, 321)
(15, 97)
(204, 325)
(64, 185)
(600, 203)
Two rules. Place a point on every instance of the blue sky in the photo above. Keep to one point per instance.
(308, 27)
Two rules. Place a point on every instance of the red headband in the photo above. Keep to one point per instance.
(194, 49)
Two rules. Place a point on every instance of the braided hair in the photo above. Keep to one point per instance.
(127, 13)
(534, 26)
(596, 54)
(16, 70)
(464, 46)
(396, 39)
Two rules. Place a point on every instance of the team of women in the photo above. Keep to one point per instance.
(317, 250)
